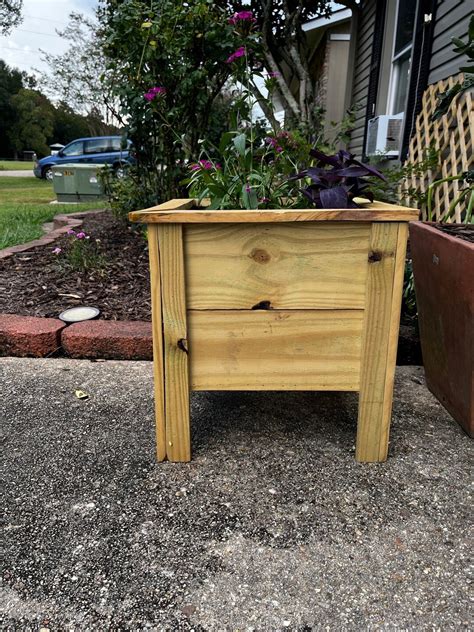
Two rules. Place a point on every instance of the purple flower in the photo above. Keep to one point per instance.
(81, 235)
(154, 92)
(248, 188)
(57, 250)
(242, 16)
(204, 164)
(71, 232)
(240, 52)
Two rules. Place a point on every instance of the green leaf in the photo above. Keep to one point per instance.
(239, 142)
(146, 25)
(249, 197)
(224, 141)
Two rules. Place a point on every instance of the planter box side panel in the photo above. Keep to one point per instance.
(287, 266)
(302, 350)
(443, 269)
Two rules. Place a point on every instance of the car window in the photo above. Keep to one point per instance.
(116, 144)
(74, 149)
(97, 146)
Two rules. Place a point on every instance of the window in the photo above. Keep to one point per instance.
(401, 57)
(97, 146)
(116, 144)
(74, 149)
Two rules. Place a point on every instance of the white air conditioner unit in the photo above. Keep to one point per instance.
(384, 135)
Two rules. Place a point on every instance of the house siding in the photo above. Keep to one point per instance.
(452, 19)
(362, 66)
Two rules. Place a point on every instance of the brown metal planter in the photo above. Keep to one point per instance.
(443, 267)
(285, 299)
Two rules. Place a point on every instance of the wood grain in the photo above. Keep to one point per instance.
(291, 266)
(179, 211)
(158, 368)
(175, 343)
(275, 349)
(379, 342)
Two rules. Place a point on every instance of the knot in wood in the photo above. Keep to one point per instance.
(183, 345)
(260, 256)
(374, 256)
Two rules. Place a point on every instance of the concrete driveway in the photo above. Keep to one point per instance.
(272, 526)
(17, 174)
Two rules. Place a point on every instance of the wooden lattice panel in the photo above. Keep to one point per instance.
(452, 137)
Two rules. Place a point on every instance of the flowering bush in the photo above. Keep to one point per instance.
(173, 78)
(250, 170)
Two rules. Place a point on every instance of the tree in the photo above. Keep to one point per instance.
(33, 125)
(286, 53)
(11, 82)
(68, 125)
(75, 74)
(10, 15)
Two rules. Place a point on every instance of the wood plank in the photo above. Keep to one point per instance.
(291, 266)
(275, 349)
(175, 343)
(379, 342)
(158, 368)
(376, 211)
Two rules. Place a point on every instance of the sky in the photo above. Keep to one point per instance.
(20, 49)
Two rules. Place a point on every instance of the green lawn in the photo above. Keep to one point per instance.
(15, 165)
(24, 207)
(25, 190)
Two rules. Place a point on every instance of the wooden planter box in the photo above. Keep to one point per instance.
(275, 300)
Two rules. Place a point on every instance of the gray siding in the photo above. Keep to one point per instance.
(362, 64)
(452, 18)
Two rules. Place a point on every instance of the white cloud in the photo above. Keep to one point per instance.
(20, 49)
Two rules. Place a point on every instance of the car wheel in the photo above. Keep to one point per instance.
(48, 174)
(120, 171)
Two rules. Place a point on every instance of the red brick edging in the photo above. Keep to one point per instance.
(41, 337)
(61, 224)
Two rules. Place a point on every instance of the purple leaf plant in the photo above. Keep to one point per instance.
(336, 180)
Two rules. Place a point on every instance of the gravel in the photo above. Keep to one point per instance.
(272, 526)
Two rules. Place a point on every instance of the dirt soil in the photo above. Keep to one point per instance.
(38, 283)
(461, 231)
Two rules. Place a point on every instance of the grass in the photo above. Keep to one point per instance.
(24, 207)
(15, 165)
(22, 190)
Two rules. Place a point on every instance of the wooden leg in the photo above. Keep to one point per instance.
(158, 369)
(175, 345)
(379, 339)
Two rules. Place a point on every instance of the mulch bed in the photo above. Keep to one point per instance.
(32, 283)
(461, 231)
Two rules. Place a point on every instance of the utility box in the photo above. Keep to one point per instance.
(77, 183)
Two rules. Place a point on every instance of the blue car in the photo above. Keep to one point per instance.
(105, 150)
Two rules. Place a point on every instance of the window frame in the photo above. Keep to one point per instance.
(396, 57)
